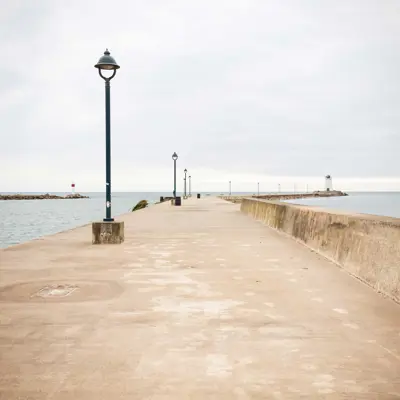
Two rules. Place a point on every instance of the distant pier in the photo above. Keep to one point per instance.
(278, 196)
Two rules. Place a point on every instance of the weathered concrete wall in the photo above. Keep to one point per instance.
(366, 246)
(232, 199)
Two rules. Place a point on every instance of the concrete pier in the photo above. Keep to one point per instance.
(199, 302)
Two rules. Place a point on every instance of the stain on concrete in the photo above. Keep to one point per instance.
(340, 310)
(60, 291)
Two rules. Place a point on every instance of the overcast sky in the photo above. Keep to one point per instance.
(279, 91)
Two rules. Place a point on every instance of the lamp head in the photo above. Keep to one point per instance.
(107, 62)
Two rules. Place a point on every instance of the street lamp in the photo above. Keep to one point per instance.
(185, 171)
(190, 186)
(107, 63)
(230, 188)
(258, 188)
(174, 157)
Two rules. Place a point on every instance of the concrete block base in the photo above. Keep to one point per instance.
(108, 232)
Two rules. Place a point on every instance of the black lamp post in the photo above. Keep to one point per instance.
(185, 171)
(107, 63)
(174, 157)
(190, 186)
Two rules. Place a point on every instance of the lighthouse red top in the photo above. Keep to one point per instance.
(72, 184)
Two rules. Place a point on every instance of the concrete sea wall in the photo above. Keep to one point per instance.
(366, 246)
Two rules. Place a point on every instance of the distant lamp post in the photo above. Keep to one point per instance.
(258, 188)
(190, 186)
(184, 191)
(230, 188)
(107, 63)
(174, 157)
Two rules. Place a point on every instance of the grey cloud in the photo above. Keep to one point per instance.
(277, 88)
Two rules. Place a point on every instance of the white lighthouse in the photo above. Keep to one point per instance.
(73, 188)
(328, 183)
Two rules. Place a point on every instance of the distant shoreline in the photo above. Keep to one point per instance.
(46, 196)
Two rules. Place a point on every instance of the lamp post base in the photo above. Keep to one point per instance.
(108, 232)
(177, 201)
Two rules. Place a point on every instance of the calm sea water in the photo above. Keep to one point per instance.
(23, 220)
(377, 203)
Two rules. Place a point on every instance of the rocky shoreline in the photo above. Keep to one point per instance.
(46, 196)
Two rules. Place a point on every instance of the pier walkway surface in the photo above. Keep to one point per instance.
(200, 302)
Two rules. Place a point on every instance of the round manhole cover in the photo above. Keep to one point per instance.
(56, 291)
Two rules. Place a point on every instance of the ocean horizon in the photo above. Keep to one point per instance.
(24, 220)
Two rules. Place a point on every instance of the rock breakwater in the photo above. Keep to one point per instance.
(46, 196)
